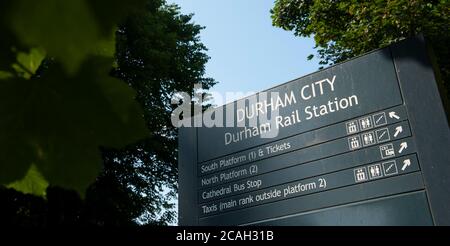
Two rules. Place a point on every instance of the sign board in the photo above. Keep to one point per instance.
(364, 142)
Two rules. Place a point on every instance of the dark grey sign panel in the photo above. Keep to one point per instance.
(363, 85)
(369, 135)
(301, 174)
(391, 211)
(322, 200)
(300, 141)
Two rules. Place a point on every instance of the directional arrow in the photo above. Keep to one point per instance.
(393, 115)
(398, 130)
(403, 146)
(406, 163)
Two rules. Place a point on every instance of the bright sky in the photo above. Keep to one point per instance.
(247, 53)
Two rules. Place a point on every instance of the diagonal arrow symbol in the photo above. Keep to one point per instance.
(406, 163)
(403, 146)
(393, 115)
(398, 130)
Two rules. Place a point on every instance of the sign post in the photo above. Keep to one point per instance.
(364, 142)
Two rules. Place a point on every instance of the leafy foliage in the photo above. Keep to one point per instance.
(344, 29)
(28, 64)
(57, 118)
(158, 53)
(58, 122)
(32, 183)
(68, 30)
(85, 83)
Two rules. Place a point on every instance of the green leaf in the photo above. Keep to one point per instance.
(6, 75)
(65, 29)
(33, 183)
(105, 47)
(7, 40)
(69, 30)
(16, 149)
(108, 17)
(28, 63)
(60, 121)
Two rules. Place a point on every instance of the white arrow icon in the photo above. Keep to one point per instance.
(403, 146)
(398, 130)
(393, 115)
(406, 163)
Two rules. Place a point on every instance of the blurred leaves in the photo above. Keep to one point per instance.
(28, 63)
(6, 75)
(65, 29)
(59, 121)
(32, 183)
(85, 89)
(68, 30)
(59, 103)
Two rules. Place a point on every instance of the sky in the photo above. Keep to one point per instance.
(247, 53)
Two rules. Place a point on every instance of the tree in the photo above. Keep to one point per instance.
(344, 29)
(85, 89)
(158, 53)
